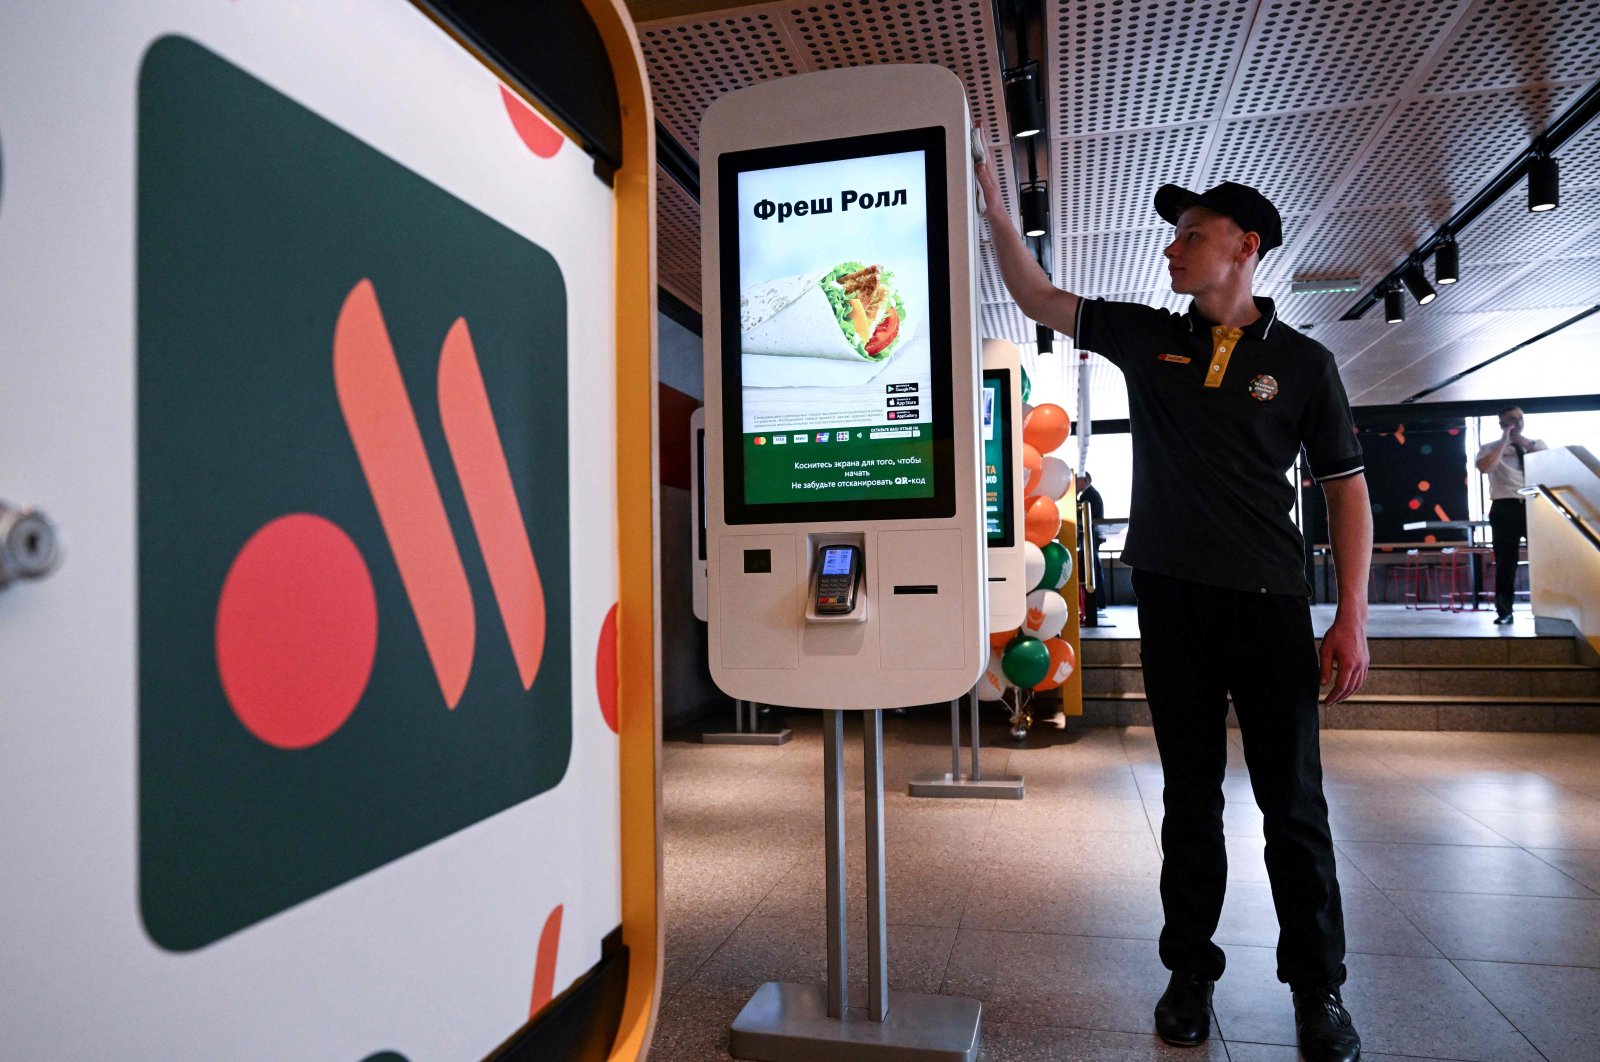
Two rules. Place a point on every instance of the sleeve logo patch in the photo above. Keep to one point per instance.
(1263, 388)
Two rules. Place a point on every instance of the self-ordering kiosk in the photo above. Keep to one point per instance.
(1000, 418)
(843, 385)
(844, 489)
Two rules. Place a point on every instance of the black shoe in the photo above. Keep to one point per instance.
(1324, 1028)
(1501, 621)
(1183, 1013)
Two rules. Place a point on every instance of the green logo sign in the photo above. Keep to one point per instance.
(353, 522)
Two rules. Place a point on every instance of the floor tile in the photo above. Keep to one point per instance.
(795, 949)
(1116, 854)
(1536, 929)
(1459, 868)
(1438, 824)
(1535, 829)
(694, 1028)
(920, 892)
(1011, 1042)
(1372, 922)
(1582, 866)
(1537, 796)
(1041, 899)
(1402, 1005)
(1043, 979)
(1556, 1007)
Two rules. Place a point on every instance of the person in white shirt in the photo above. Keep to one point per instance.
(1502, 462)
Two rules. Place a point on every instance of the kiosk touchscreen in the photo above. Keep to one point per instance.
(842, 391)
(1000, 419)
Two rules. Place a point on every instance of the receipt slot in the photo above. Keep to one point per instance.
(843, 474)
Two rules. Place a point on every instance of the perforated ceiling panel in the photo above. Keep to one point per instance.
(1128, 65)
(1368, 121)
(1510, 42)
(677, 240)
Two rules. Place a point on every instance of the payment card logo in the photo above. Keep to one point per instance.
(354, 590)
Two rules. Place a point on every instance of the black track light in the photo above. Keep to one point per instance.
(1394, 305)
(1447, 262)
(1421, 290)
(1046, 337)
(1544, 183)
(1035, 209)
(1024, 106)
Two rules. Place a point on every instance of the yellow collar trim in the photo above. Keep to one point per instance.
(1223, 342)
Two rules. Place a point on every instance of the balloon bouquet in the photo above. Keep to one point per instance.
(1034, 656)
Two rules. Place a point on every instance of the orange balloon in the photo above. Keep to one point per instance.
(1063, 662)
(1001, 639)
(1047, 427)
(1033, 467)
(1043, 520)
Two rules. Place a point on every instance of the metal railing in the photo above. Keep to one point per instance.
(1542, 491)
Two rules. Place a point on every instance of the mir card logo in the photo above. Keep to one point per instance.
(353, 560)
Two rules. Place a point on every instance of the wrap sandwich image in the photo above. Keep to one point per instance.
(849, 313)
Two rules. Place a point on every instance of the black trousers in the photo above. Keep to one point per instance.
(1508, 520)
(1199, 644)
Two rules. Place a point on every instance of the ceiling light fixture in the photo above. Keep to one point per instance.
(1447, 262)
(1023, 104)
(1544, 183)
(1035, 209)
(1394, 305)
(1324, 285)
(1421, 290)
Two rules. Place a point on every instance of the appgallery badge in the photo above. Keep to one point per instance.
(354, 600)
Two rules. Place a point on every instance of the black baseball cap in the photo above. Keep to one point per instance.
(1250, 210)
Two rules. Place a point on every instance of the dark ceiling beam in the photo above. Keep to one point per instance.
(1567, 125)
(675, 159)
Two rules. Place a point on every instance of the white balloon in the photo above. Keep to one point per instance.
(1026, 409)
(993, 681)
(1047, 614)
(1066, 570)
(1032, 565)
(1054, 478)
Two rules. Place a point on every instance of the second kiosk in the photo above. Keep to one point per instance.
(846, 567)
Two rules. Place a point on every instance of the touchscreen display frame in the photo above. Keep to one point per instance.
(1007, 536)
(941, 503)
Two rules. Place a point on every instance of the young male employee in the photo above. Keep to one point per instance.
(1502, 461)
(1221, 400)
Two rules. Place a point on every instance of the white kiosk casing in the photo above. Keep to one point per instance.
(1002, 436)
(798, 180)
(697, 512)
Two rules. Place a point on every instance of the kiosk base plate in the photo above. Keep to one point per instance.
(748, 737)
(999, 787)
(790, 1023)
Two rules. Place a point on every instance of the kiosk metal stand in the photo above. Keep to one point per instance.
(951, 784)
(740, 735)
(804, 1023)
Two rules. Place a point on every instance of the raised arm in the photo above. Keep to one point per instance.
(1029, 286)
(1492, 457)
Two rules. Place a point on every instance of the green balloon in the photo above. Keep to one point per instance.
(1027, 385)
(1025, 661)
(1056, 561)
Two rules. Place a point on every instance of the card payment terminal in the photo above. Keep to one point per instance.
(838, 576)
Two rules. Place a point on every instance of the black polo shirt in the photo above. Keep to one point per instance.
(1218, 418)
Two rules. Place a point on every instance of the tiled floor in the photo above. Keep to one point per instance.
(1470, 865)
